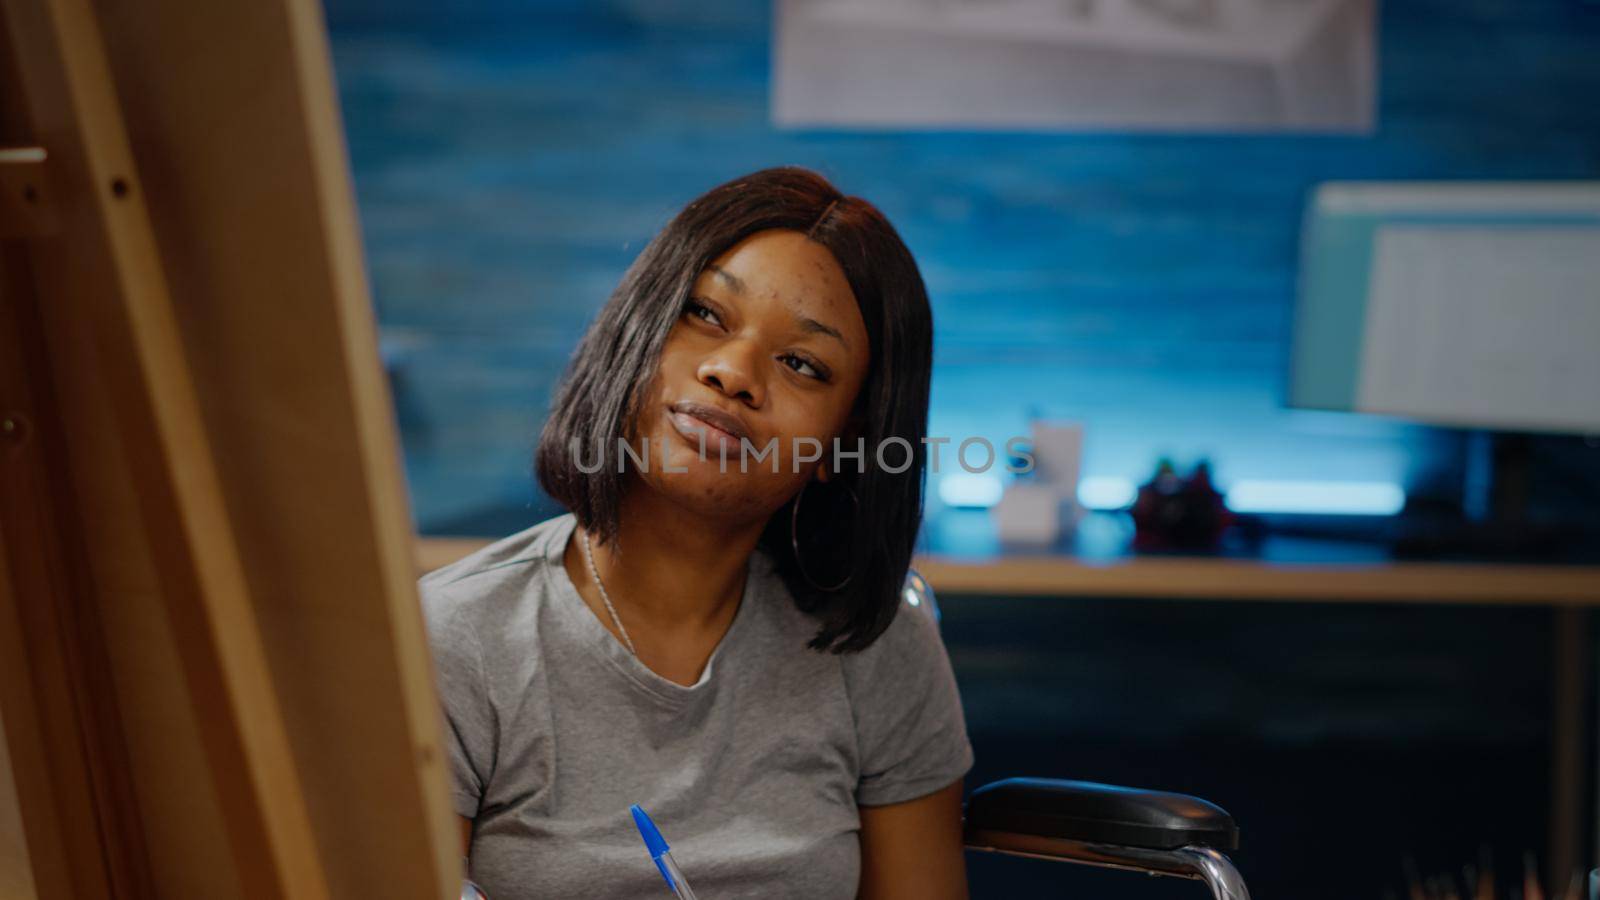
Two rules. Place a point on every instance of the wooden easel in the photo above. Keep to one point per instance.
(214, 677)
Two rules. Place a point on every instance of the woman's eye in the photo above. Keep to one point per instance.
(695, 308)
(799, 364)
(809, 370)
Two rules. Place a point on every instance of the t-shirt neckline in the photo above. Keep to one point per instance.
(612, 649)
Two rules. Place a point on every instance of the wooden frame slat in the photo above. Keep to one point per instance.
(118, 278)
(73, 787)
(229, 455)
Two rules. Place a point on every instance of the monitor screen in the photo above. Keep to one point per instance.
(1471, 304)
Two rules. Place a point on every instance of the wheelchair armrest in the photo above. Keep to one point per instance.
(1094, 814)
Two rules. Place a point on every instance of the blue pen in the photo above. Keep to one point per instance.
(662, 854)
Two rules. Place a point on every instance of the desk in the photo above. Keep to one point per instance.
(1209, 578)
(962, 557)
(1237, 579)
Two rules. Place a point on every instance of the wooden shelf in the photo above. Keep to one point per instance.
(1238, 579)
(1205, 578)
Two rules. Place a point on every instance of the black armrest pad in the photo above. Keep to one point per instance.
(1099, 814)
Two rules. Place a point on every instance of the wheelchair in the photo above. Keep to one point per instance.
(1152, 832)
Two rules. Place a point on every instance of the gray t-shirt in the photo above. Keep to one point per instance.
(753, 774)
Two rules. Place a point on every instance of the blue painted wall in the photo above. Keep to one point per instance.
(511, 160)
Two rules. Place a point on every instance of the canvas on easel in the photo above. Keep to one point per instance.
(214, 675)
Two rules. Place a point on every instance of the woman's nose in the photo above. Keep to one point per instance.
(733, 370)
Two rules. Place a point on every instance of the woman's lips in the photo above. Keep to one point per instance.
(715, 438)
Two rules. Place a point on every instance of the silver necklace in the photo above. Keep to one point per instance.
(588, 554)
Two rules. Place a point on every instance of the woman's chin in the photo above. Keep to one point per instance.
(713, 495)
(690, 476)
(715, 486)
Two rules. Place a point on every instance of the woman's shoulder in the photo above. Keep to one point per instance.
(493, 581)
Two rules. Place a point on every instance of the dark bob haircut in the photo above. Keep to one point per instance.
(871, 539)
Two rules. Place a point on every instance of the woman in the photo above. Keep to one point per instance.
(723, 644)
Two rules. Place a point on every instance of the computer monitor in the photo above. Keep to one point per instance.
(1465, 304)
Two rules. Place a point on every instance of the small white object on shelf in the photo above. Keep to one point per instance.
(1029, 512)
(1057, 454)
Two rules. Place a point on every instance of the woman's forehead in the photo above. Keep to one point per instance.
(786, 266)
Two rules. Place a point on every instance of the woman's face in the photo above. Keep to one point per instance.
(771, 335)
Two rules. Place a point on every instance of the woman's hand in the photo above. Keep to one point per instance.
(913, 850)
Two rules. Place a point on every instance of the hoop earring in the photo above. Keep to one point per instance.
(794, 538)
